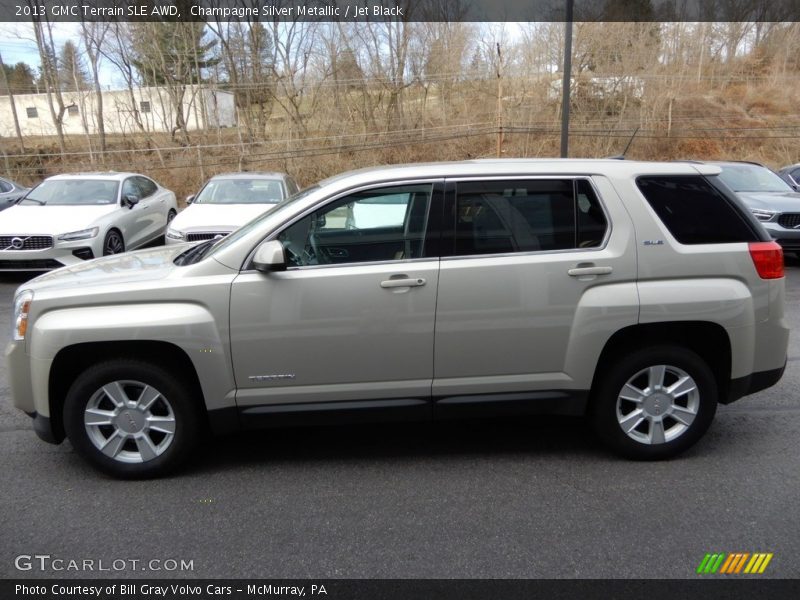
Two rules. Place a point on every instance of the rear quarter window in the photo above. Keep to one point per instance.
(695, 212)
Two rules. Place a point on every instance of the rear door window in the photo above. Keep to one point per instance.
(500, 217)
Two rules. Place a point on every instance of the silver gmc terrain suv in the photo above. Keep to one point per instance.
(637, 294)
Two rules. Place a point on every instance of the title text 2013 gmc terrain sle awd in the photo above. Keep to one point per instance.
(638, 294)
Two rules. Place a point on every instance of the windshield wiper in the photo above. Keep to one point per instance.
(194, 254)
(39, 202)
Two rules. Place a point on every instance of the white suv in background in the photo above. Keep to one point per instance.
(638, 294)
(227, 202)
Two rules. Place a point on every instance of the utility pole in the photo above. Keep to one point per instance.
(566, 81)
(499, 102)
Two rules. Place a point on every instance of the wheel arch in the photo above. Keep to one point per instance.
(71, 361)
(708, 340)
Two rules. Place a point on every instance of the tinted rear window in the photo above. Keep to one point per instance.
(694, 211)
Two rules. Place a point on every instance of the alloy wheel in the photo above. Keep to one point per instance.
(129, 421)
(658, 404)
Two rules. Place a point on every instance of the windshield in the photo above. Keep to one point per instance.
(73, 192)
(241, 191)
(751, 178)
(249, 226)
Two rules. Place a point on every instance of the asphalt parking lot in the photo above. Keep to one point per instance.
(534, 498)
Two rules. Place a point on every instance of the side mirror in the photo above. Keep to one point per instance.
(270, 256)
(131, 200)
(190, 198)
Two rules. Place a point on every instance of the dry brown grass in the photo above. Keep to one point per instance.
(726, 122)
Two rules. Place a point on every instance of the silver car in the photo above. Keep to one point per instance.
(68, 219)
(791, 175)
(10, 193)
(639, 295)
(771, 200)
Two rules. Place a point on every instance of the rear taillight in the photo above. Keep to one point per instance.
(768, 259)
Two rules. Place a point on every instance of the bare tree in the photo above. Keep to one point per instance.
(295, 52)
(43, 30)
(246, 50)
(10, 94)
(94, 35)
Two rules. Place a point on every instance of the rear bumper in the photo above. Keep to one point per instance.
(755, 382)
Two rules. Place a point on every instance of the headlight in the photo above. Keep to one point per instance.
(83, 234)
(763, 215)
(174, 234)
(22, 306)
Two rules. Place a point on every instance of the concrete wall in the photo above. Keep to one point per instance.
(202, 108)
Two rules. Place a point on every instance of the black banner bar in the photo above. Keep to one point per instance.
(403, 10)
(707, 588)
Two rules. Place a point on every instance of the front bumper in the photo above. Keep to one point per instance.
(44, 429)
(19, 377)
(22, 396)
(62, 254)
(789, 239)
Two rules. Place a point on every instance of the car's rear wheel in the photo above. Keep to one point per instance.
(655, 403)
(113, 244)
(171, 215)
(131, 419)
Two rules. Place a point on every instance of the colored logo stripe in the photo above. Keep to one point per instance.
(758, 563)
(729, 564)
(710, 563)
(734, 563)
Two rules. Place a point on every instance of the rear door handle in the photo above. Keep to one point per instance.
(403, 282)
(583, 271)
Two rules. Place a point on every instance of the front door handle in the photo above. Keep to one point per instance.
(583, 271)
(403, 282)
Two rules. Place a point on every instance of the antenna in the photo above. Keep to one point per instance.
(624, 152)
(630, 141)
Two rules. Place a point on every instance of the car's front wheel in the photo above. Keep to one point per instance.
(654, 403)
(113, 243)
(131, 419)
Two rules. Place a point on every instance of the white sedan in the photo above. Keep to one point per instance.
(67, 219)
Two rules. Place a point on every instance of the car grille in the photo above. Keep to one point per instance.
(204, 235)
(25, 242)
(789, 220)
(29, 265)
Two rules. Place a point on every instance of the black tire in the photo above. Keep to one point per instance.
(171, 215)
(173, 402)
(607, 415)
(113, 243)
